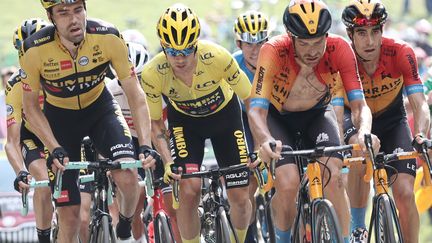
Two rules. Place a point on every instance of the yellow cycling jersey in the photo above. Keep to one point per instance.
(14, 100)
(216, 78)
(73, 82)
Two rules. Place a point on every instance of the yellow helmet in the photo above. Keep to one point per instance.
(51, 3)
(251, 27)
(26, 29)
(178, 27)
(307, 18)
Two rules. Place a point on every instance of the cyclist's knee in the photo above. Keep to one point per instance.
(38, 170)
(69, 217)
(190, 191)
(239, 197)
(403, 195)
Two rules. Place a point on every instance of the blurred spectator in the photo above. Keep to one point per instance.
(429, 7)
(6, 73)
(424, 29)
(406, 7)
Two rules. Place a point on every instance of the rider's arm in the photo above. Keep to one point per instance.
(31, 86)
(14, 110)
(414, 88)
(131, 87)
(160, 140)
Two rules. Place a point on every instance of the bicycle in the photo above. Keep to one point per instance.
(316, 219)
(161, 223)
(101, 229)
(384, 219)
(215, 220)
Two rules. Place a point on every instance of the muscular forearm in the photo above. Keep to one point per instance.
(160, 141)
(362, 119)
(259, 128)
(40, 126)
(141, 119)
(339, 110)
(421, 119)
(13, 153)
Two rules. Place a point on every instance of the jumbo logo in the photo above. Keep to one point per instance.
(180, 142)
(206, 85)
(80, 82)
(241, 145)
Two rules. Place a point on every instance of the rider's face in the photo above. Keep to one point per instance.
(310, 51)
(367, 42)
(70, 20)
(250, 51)
(181, 63)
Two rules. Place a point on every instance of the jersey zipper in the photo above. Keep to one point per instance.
(76, 81)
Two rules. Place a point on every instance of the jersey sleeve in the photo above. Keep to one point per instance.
(263, 79)
(13, 102)
(30, 73)
(119, 58)
(235, 77)
(338, 92)
(153, 89)
(347, 67)
(407, 64)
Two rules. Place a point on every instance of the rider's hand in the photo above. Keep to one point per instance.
(267, 154)
(57, 159)
(255, 160)
(148, 156)
(376, 143)
(168, 174)
(418, 141)
(21, 181)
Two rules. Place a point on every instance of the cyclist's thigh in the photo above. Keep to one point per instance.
(31, 147)
(398, 139)
(280, 131)
(348, 126)
(69, 134)
(111, 135)
(325, 131)
(187, 136)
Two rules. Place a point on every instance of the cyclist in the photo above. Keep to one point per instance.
(297, 77)
(387, 67)
(251, 31)
(22, 144)
(68, 62)
(202, 82)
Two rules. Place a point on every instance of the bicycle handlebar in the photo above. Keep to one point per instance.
(103, 164)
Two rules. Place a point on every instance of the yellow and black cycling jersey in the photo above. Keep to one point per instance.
(14, 100)
(217, 76)
(73, 82)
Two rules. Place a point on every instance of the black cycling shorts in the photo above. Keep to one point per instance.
(103, 123)
(318, 127)
(395, 136)
(31, 146)
(225, 131)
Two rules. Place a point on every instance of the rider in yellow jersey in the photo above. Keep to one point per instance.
(68, 61)
(202, 83)
(22, 144)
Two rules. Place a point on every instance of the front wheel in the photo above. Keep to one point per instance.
(384, 226)
(223, 229)
(325, 223)
(162, 229)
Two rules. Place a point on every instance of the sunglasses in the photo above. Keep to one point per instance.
(185, 52)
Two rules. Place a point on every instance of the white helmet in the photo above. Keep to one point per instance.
(132, 35)
(138, 55)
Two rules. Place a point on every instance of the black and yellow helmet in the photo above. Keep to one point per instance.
(178, 27)
(27, 28)
(251, 27)
(47, 4)
(307, 18)
(364, 13)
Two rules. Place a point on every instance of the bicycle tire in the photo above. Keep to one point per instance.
(261, 217)
(325, 223)
(384, 225)
(223, 229)
(270, 226)
(162, 229)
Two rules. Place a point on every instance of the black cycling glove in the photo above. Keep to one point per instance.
(147, 151)
(58, 153)
(22, 176)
